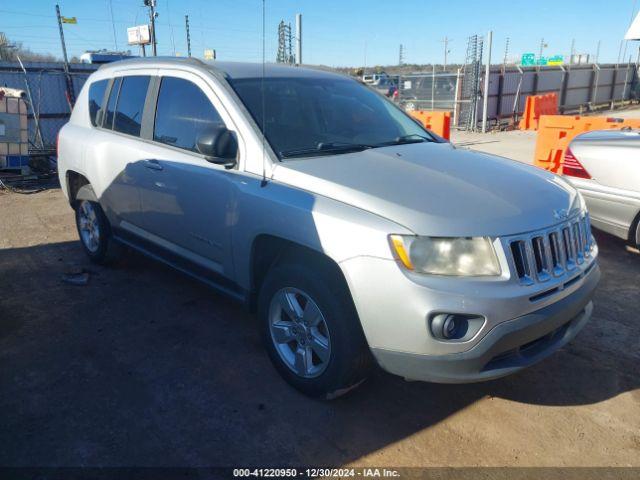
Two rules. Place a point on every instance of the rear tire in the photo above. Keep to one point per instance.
(95, 233)
(305, 307)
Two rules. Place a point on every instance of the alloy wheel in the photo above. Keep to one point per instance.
(89, 226)
(299, 332)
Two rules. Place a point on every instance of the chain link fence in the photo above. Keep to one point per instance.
(48, 106)
(580, 89)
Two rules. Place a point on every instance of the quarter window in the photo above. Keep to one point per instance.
(96, 96)
(183, 113)
(133, 92)
(111, 104)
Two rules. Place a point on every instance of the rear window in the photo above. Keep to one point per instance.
(96, 97)
(133, 93)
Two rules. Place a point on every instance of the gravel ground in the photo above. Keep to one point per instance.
(145, 367)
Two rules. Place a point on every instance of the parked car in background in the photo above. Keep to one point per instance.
(386, 86)
(427, 91)
(355, 234)
(374, 78)
(605, 167)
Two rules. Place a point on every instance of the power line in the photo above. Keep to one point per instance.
(113, 25)
(173, 42)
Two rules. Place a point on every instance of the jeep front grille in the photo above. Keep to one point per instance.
(548, 253)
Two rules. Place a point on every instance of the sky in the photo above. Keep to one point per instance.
(335, 32)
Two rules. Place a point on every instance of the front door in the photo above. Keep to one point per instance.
(187, 201)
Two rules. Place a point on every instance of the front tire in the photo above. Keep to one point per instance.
(95, 233)
(311, 330)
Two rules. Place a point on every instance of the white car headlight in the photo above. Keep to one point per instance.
(459, 256)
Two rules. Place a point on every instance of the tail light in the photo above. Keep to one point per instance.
(572, 166)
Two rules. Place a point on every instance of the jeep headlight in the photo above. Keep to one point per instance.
(459, 256)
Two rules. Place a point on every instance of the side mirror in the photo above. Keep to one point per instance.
(219, 145)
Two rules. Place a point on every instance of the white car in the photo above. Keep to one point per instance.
(605, 167)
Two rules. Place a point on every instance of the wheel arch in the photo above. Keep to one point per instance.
(634, 231)
(267, 250)
(79, 188)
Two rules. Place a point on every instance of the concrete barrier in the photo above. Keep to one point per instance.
(535, 107)
(438, 122)
(555, 132)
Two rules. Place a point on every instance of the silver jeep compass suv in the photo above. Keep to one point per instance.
(356, 235)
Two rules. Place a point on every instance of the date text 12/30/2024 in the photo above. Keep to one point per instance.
(315, 473)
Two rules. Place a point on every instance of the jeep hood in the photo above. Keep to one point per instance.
(436, 189)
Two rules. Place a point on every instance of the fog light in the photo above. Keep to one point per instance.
(451, 326)
(455, 326)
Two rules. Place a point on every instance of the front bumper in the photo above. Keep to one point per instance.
(507, 348)
(519, 330)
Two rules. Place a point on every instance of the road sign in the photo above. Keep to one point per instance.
(555, 60)
(139, 35)
(528, 59)
(209, 54)
(71, 20)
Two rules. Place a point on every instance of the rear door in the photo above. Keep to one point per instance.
(118, 151)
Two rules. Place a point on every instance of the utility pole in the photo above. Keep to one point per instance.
(597, 53)
(401, 55)
(186, 24)
(620, 51)
(70, 92)
(298, 38)
(506, 54)
(573, 50)
(364, 69)
(152, 20)
(542, 45)
(487, 74)
(446, 52)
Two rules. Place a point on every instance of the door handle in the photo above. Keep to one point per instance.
(152, 164)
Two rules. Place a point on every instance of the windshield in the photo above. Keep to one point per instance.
(315, 116)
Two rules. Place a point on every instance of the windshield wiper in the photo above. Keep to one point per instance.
(404, 139)
(326, 148)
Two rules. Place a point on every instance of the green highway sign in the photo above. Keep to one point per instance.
(528, 59)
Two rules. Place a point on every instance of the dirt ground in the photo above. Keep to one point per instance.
(145, 367)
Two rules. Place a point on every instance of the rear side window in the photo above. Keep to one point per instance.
(183, 113)
(128, 117)
(96, 96)
(111, 104)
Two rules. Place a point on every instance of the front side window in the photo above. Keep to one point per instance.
(133, 93)
(306, 115)
(183, 113)
(96, 96)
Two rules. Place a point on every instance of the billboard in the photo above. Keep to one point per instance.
(140, 35)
